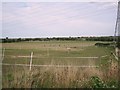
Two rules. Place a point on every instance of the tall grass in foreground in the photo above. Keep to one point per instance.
(55, 77)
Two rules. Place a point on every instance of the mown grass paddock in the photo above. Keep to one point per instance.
(60, 66)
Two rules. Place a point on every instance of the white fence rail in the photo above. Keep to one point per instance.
(47, 65)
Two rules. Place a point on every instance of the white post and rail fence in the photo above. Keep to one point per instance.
(31, 57)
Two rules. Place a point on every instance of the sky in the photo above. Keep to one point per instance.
(58, 19)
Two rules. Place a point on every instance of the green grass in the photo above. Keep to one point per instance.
(51, 50)
(55, 53)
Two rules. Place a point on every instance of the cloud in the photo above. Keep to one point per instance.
(53, 19)
(108, 5)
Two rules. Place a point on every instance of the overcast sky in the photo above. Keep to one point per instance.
(50, 19)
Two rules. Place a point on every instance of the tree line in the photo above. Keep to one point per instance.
(106, 38)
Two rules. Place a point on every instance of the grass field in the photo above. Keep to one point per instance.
(59, 53)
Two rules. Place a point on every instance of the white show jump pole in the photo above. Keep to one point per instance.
(31, 60)
(3, 54)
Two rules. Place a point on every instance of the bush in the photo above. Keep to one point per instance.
(102, 44)
(97, 82)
